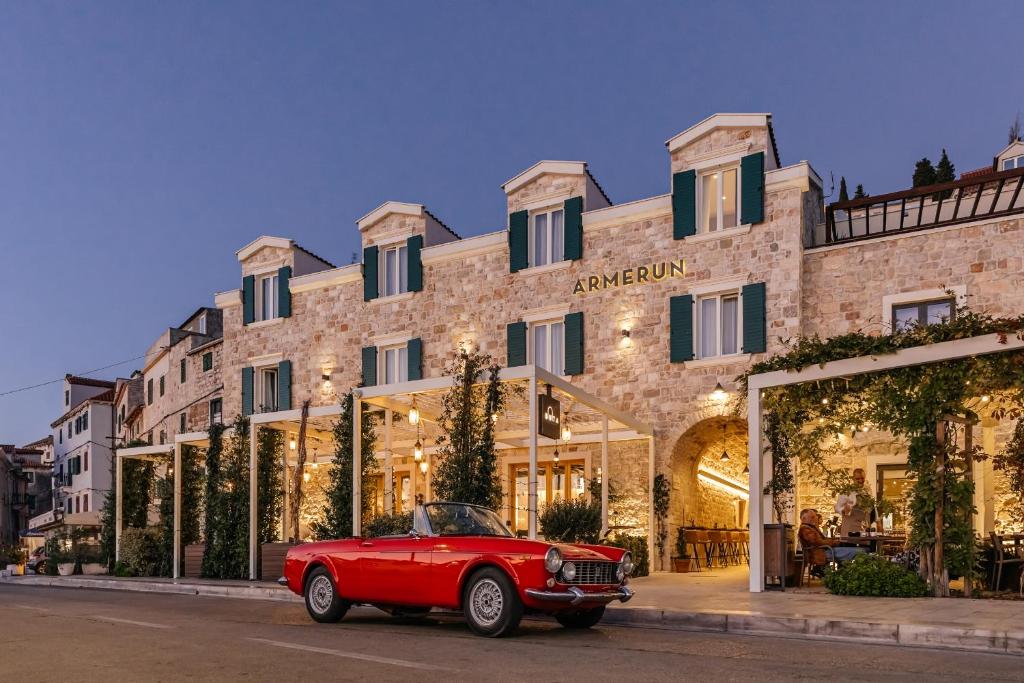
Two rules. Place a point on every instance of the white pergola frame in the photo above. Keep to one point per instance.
(153, 453)
(760, 508)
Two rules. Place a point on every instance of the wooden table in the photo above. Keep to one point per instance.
(875, 541)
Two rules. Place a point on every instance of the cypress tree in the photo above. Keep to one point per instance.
(213, 508)
(945, 172)
(844, 195)
(269, 496)
(924, 173)
(859, 193)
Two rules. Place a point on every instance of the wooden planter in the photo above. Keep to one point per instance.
(779, 556)
(194, 560)
(272, 560)
(682, 565)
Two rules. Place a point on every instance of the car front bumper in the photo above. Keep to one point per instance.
(576, 596)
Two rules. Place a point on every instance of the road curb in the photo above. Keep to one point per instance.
(944, 636)
(875, 633)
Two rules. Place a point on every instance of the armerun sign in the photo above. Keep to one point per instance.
(631, 276)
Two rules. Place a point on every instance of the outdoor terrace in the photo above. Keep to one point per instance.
(992, 196)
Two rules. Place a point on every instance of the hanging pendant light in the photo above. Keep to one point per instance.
(746, 469)
(414, 413)
(305, 477)
(417, 451)
(556, 456)
(566, 431)
(724, 457)
(423, 467)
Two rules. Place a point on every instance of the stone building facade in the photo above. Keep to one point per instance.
(654, 306)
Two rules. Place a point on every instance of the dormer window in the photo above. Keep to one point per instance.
(266, 301)
(202, 324)
(546, 237)
(1013, 162)
(719, 203)
(395, 269)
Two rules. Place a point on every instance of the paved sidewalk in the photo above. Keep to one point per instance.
(716, 601)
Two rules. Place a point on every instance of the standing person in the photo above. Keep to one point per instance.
(856, 508)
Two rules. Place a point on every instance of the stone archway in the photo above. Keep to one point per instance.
(708, 490)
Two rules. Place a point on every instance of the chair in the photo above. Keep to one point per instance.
(1001, 558)
(807, 560)
(698, 538)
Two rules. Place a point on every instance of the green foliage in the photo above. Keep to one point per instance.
(227, 503)
(873, 575)
(336, 519)
(571, 521)
(682, 551)
(637, 546)
(844, 194)
(466, 467)
(121, 570)
(107, 522)
(394, 524)
(1011, 461)
(140, 550)
(859, 193)
(660, 494)
(12, 554)
(191, 505)
(924, 173)
(269, 490)
(138, 490)
(780, 485)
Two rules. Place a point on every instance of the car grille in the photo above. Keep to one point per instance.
(593, 573)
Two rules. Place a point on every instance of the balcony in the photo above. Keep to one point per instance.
(989, 197)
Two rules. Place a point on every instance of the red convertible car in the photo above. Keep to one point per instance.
(460, 557)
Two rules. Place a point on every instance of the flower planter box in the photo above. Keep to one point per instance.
(94, 568)
(194, 560)
(66, 568)
(682, 565)
(272, 560)
(15, 570)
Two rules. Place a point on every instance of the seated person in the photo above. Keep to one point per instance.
(811, 539)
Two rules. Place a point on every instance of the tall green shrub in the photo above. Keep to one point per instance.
(571, 521)
(270, 494)
(227, 504)
(336, 518)
(191, 506)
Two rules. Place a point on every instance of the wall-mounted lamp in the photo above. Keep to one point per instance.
(291, 444)
(625, 333)
(719, 394)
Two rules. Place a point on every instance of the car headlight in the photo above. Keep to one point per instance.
(568, 571)
(552, 560)
(626, 564)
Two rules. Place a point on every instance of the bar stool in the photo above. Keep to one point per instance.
(698, 541)
(716, 542)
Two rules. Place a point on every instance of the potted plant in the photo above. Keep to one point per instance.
(91, 558)
(12, 558)
(682, 560)
(64, 560)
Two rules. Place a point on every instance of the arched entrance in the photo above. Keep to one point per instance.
(709, 475)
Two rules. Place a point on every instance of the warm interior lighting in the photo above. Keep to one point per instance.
(722, 482)
(414, 414)
(291, 444)
(316, 465)
(985, 399)
(423, 467)
(556, 456)
(566, 433)
(724, 457)
(719, 394)
(494, 418)
(824, 401)
(417, 451)
(305, 477)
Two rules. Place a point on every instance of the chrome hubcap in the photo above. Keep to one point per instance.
(485, 601)
(321, 594)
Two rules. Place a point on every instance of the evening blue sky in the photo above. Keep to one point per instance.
(142, 144)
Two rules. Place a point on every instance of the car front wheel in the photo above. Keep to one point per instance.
(322, 600)
(491, 604)
(584, 618)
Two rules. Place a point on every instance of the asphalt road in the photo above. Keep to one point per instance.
(53, 634)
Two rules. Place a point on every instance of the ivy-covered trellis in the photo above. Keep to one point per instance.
(927, 406)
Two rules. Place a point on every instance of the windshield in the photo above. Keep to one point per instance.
(459, 519)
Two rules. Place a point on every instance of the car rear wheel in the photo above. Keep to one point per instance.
(322, 600)
(491, 604)
(585, 618)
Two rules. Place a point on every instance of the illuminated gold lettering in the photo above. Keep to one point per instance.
(641, 274)
(659, 275)
(593, 282)
(578, 289)
(627, 277)
(677, 268)
(612, 281)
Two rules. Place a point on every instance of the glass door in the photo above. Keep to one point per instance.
(894, 488)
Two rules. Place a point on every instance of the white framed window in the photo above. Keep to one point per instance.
(202, 324)
(718, 325)
(267, 390)
(266, 298)
(1013, 162)
(394, 271)
(547, 346)
(908, 315)
(547, 235)
(719, 199)
(394, 364)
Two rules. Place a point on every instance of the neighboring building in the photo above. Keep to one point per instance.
(83, 439)
(25, 490)
(129, 402)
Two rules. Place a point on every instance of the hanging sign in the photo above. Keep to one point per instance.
(639, 275)
(550, 416)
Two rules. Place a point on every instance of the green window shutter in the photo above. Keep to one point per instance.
(246, 391)
(684, 204)
(414, 263)
(755, 328)
(574, 344)
(284, 385)
(149, 392)
(284, 292)
(752, 188)
(369, 366)
(414, 353)
(181, 424)
(207, 361)
(572, 222)
(515, 335)
(518, 241)
(162, 384)
(182, 369)
(680, 344)
(371, 286)
(248, 299)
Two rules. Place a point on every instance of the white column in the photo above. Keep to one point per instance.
(118, 518)
(984, 484)
(176, 572)
(389, 469)
(650, 503)
(756, 485)
(253, 438)
(604, 476)
(285, 527)
(357, 450)
(428, 478)
(532, 485)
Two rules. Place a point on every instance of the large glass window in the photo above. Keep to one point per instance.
(546, 238)
(266, 308)
(395, 273)
(394, 364)
(719, 205)
(216, 411)
(565, 480)
(905, 316)
(547, 346)
(718, 325)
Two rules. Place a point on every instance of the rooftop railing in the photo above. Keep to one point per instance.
(986, 197)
